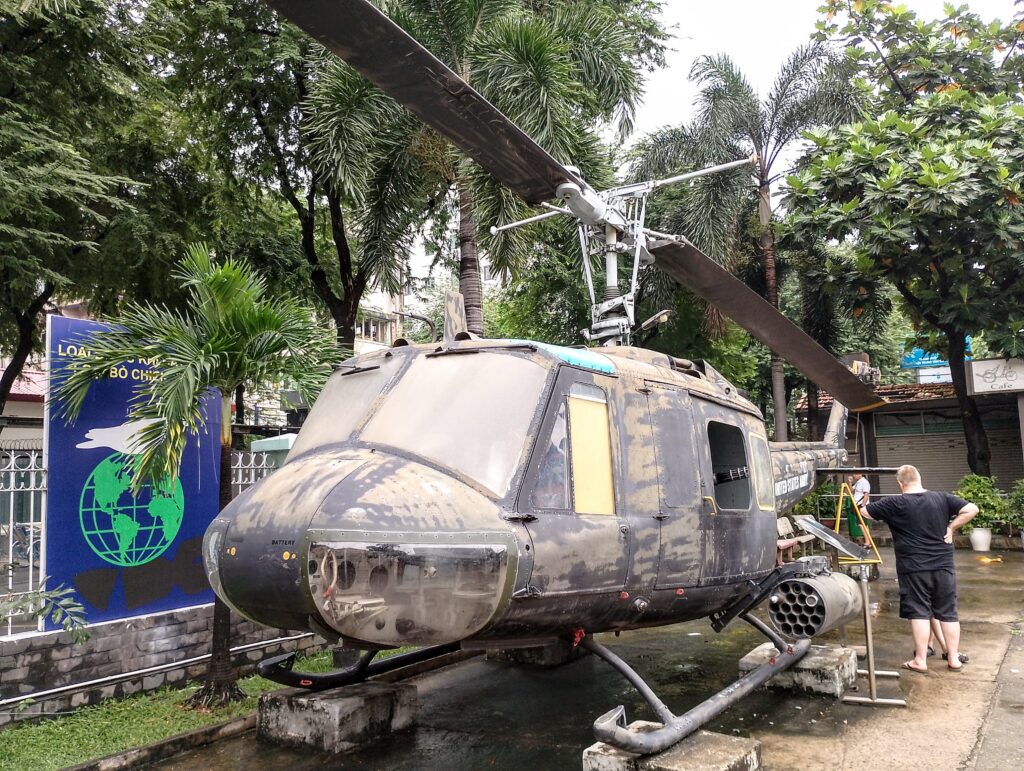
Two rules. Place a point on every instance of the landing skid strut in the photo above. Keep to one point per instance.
(612, 729)
(279, 668)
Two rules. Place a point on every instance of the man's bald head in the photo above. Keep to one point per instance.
(908, 476)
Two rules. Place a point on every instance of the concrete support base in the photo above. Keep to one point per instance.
(826, 669)
(337, 720)
(543, 656)
(702, 751)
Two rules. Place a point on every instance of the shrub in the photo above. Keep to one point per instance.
(1016, 504)
(818, 503)
(982, 491)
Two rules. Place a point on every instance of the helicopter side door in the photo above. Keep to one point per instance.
(729, 507)
(580, 541)
(678, 462)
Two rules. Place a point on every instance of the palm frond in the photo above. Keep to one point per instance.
(231, 332)
(727, 105)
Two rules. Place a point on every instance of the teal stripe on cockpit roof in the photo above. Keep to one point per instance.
(578, 357)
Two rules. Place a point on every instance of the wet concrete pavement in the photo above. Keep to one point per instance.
(490, 715)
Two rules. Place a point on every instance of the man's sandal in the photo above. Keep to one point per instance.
(964, 658)
(909, 665)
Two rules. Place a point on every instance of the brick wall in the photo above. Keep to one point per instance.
(40, 662)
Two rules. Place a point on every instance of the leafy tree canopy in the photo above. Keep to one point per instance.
(928, 192)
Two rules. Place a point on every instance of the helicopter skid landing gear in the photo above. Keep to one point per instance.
(279, 668)
(611, 728)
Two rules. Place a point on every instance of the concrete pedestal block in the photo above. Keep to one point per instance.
(701, 751)
(827, 669)
(338, 720)
(543, 656)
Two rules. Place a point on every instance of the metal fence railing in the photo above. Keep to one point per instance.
(22, 508)
(23, 520)
(248, 468)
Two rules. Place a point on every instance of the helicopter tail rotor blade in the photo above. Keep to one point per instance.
(706, 278)
(386, 55)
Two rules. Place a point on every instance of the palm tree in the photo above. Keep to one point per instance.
(730, 214)
(232, 331)
(556, 69)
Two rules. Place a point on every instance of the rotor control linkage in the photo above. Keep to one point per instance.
(279, 668)
(612, 728)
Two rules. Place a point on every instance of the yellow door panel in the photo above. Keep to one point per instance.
(590, 439)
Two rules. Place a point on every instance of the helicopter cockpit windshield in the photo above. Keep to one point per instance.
(470, 412)
(466, 411)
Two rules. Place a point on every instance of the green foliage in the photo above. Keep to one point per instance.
(992, 505)
(232, 331)
(821, 502)
(729, 215)
(57, 604)
(1015, 504)
(932, 187)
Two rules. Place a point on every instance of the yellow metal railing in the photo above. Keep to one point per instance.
(875, 559)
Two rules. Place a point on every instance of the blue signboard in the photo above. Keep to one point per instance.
(919, 358)
(124, 554)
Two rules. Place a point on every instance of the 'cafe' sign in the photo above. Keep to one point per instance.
(996, 375)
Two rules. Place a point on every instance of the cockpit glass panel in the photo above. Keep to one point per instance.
(343, 403)
(470, 412)
(551, 490)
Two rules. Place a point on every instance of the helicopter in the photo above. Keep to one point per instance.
(511, 493)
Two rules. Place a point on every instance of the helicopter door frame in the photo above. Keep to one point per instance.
(729, 536)
(680, 486)
(577, 552)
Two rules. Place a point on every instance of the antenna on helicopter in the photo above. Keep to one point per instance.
(615, 219)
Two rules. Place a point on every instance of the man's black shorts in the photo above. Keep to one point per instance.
(928, 594)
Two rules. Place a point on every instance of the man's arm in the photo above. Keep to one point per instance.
(965, 515)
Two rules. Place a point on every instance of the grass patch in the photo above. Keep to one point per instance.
(117, 725)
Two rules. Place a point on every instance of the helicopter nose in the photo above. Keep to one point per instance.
(402, 554)
(252, 549)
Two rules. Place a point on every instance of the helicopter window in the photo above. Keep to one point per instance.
(469, 413)
(591, 449)
(764, 486)
(729, 466)
(551, 490)
(345, 400)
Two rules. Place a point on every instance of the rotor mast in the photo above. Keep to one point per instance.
(614, 219)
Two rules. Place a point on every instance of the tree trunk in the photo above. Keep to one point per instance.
(812, 412)
(470, 283)
(766, 240)
(220, 684)
(240, 404)
(979, 455)
(27, 323)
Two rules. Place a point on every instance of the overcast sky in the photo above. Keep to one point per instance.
(757, 34)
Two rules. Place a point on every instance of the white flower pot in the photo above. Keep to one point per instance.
(981, 538)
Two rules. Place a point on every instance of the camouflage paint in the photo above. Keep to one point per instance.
(668, 554)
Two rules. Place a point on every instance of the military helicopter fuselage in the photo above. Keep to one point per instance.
(507, 493)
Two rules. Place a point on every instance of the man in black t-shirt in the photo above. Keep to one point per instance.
(922, 523)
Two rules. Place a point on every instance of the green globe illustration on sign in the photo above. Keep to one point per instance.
(123, 528)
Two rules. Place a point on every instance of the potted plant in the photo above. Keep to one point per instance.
(992, 509)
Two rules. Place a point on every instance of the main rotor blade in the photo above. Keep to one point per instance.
(386, 55)
(705, 277)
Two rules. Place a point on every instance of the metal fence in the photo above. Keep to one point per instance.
(23, 521)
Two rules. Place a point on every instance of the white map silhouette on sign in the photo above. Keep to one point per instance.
(118, 438)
